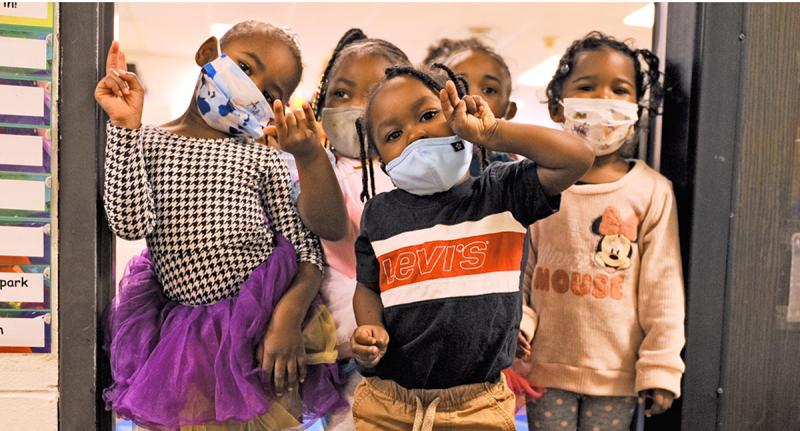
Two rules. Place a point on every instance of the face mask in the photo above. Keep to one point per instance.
(605, 123)
(340, 127)
(431, 165)
(229, 101)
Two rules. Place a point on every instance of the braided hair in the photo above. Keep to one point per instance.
(434, 82)
(648, 80)
(446, 48)
(355, 41)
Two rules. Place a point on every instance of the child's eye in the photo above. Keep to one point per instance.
(340, 94)
(490, 90)
(621, 90)
(245, 68)
(585, 88)
(394, 134)
(428, 115)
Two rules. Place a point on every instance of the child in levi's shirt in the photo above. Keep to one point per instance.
(438, 300)
(603, 279)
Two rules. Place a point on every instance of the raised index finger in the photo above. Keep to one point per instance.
(280, 116)
(310, 120)
(113, 53)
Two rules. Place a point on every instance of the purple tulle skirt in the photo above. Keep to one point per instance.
(175, 365)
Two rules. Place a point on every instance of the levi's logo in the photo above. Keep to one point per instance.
(458, 146)
(501, 251)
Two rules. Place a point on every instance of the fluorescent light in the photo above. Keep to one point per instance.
(642, 17)
(219, 29)
(116, 27)
(541, 74)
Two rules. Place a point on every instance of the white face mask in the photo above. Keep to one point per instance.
(340, 127)
(605, 123)
(431, 165)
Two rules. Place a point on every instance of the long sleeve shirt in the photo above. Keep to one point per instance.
(200, 204)
(604, 279)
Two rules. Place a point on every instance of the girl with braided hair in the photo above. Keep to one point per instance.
(356, 65)
(603, 289)
(438, 303)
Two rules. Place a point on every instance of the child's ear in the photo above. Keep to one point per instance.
(207, 52)
(556, 112)
(511, 111)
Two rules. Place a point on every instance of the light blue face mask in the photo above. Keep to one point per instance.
(229, 101)
(431, 165)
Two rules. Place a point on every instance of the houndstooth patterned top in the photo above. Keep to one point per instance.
(200, 203)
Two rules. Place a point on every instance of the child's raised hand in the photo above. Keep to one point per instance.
(120, 93)
(369, 343)
(295, 132)
(470, 118)
(282, 355)
(662, 400)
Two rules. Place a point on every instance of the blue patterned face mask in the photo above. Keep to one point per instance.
(431, 165)
(229, 101)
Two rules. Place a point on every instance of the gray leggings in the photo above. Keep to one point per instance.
(563, 410)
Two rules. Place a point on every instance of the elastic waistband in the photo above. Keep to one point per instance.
(449, 398)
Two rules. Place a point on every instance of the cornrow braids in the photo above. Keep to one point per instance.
(355, 41)
(649, 80)
(446, 48)
(363, 157)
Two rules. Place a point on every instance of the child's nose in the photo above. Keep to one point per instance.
(416, 135)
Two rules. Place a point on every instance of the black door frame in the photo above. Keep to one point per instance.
(701, 131)
(85, 248)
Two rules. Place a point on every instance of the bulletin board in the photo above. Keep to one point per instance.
(28, 173)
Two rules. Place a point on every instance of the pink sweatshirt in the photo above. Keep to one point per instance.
(603, 289)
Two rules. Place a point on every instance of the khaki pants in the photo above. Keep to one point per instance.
(383, 405)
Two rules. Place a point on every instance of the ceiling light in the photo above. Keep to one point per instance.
(642, 17)
(541, 74)
(219, 29)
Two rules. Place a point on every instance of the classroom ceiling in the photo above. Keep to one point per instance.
(524, 33)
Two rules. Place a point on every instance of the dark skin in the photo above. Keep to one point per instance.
(404, 111)
(121, 95)
(486, 78)
(608, 74)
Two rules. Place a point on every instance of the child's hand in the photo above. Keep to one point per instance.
(369, 343)
(662, 400)
(282, 355)
(523, 348)
(295, 132)
(470, 118)
(120, 93)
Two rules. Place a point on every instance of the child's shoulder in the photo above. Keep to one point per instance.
(647, 178)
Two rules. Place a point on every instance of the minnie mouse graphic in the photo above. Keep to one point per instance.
(614, 250)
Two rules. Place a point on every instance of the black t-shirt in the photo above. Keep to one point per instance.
(447, 269)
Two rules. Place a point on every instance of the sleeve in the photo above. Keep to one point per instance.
(127, 195)
(282, 212)
(661, 298)
(518, 185)
(529, 317)
(367, 266)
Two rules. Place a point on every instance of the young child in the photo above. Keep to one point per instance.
(438, 301)
(356, 65)
(604, 274)
(217, 279)
(486, 74)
